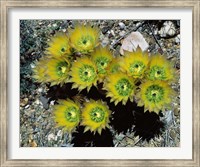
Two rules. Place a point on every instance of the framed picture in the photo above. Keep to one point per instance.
(99, 83)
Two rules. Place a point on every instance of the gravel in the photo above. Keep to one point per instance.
(37, 126)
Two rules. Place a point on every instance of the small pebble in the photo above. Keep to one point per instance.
(33, 143)
(27, 106)
(138, 24)
(39, 118)
(51, 137)
(178, 22)
(168, 29)
(27, 113)
(44, 101)
(32, 65)
(112, 32)
(177, 39)
(23, 102)
(54, 25)
(156, 32)
(121, 25)
(59, 133)
(44, 123)
(52, 102)
(40, 90)
(37, 102)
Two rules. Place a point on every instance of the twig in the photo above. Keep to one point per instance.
(138, 141)
(117, 144)
(130, 138)
(154, 143)
(167, 139)
(155, 37)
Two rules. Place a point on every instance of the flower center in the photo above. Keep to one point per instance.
(72, 114)
(154, 93)
(102, 63)
(85, 41)
(63, 49)
(157, 72)
(124, 87)
(137, 68)
(87, 73)
(97, 114)
(62, 68)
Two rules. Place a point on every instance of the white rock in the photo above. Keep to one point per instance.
(54, 25)
(138, 24)
(51, 137)
(112, 32)
(168, 29)
(60, 133)
(27, 106)
(52, 102)
(37, 101)
(40, 90)
(132, 41)
(121, 25)
(156, 32)
(32, 65)
(177, 39)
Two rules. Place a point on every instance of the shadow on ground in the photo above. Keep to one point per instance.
(88, 139)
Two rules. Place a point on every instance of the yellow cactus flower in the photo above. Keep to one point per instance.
(83, 73)
(84, 38)
(134, 63)
(155, 95)
(95, 116)
(120, 88)
(39, 71)
(160, 69)
(67, 114)
(52, 69)
(59, 45)
(102, 57)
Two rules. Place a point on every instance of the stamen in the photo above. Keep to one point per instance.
(97, 114)
(124, 87)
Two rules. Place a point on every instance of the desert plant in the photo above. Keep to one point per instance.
(136, 77)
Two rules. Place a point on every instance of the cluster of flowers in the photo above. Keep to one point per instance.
(78, 57)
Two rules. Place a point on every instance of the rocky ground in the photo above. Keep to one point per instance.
(37, 127)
